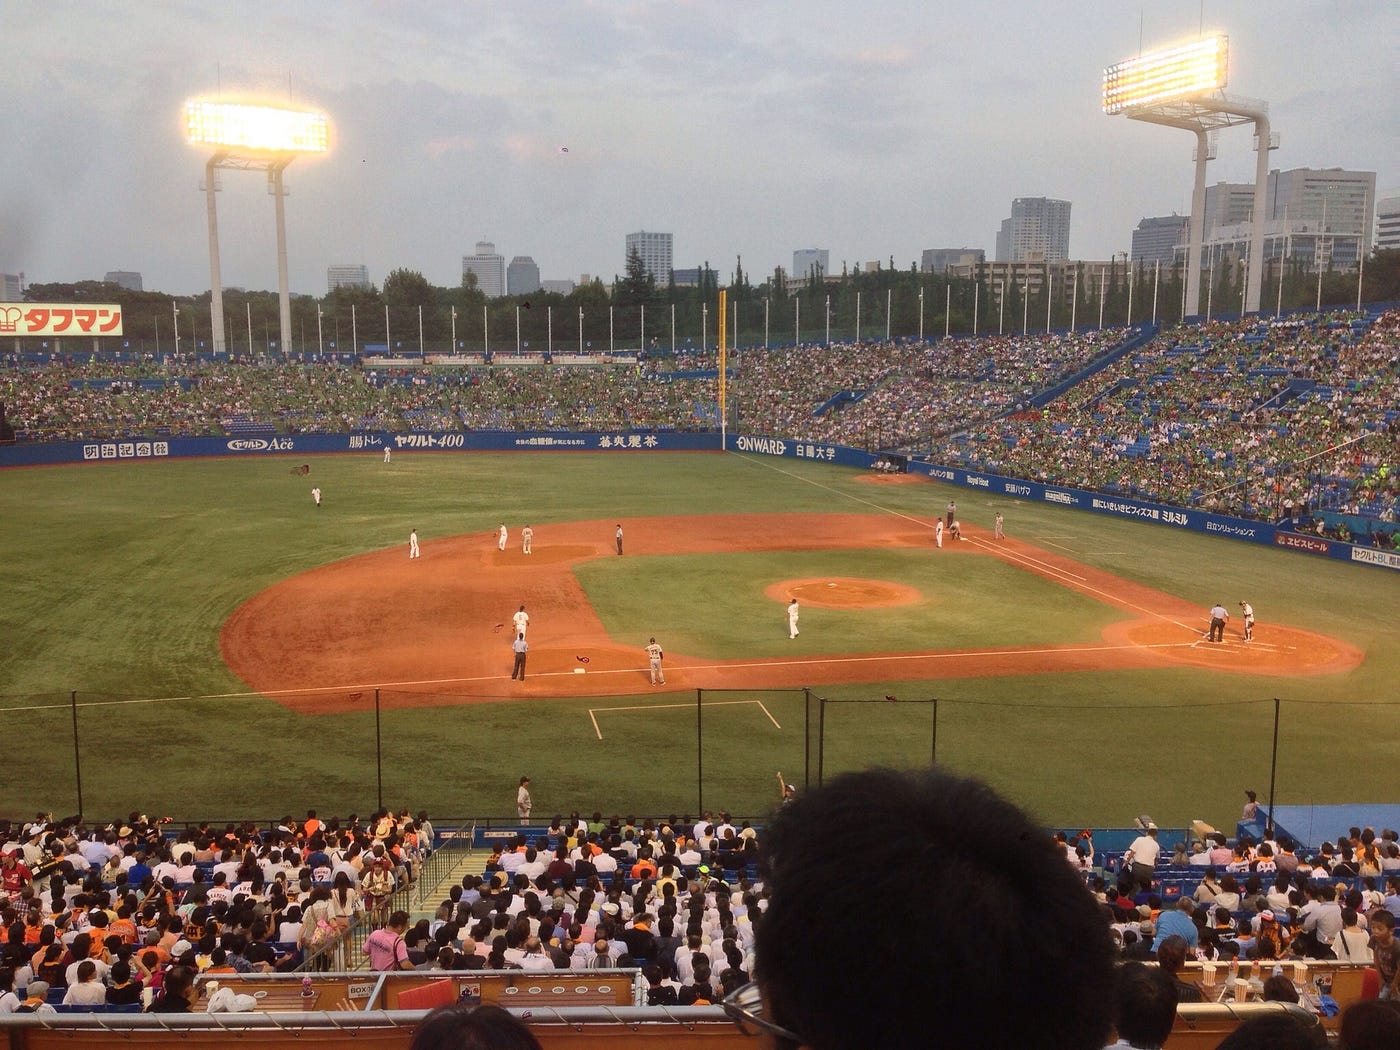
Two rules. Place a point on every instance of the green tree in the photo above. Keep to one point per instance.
(638, 285)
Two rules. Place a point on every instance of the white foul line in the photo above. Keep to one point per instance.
(663, 707)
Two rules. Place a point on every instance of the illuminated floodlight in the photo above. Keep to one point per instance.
(252, 137)
(1178, 72)
(264, 129)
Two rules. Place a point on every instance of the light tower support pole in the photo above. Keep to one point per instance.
(216, 282)
(284, 299)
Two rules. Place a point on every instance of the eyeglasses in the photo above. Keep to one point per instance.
(744, 1006)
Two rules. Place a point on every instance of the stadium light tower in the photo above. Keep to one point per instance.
(1184, 87)
(252, 138)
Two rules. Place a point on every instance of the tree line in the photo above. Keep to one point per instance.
(640, 312)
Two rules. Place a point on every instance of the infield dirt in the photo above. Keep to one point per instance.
(437, 629)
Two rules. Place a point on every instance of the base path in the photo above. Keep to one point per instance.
(436, 630)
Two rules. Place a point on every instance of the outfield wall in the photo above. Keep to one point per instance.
(686, 441)
(368, 441)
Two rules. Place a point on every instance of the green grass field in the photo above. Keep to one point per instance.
(118, 576)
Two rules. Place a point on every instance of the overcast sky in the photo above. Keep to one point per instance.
(755, 128)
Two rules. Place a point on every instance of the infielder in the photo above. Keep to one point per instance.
(997, 533)
(619, 538)
(955, 530)
(527, 539)
(654, 654)
(316, 496)
(501, 538)
(521, 620)
(792, 618)
(1247, 611)
(938, 533)
(413, 544)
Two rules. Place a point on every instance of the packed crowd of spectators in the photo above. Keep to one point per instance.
(1268, 418)
(89, 398)
(676, 898)
(105, 914)
(683, 900)
(902, 394)
(1255, 418)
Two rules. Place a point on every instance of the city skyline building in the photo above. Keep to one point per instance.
(1038, 228)
(938, 260)
(1388, 223)
(1316, 218)
(346, 275)
(1160, 239)
(11, 288)
(489, 267)
(803, 259)
(128, 279)
(655, 250)
(522, 276)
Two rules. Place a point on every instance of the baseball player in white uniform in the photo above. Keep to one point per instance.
(521, 620)
(792, 618)
(997, 533)
(654, 654)
(501, 538)
(938, 533)
(413, 544)
(387, 452)
(527, 539)
(1247, 611)
(316, 496)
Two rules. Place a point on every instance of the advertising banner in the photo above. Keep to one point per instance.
(70, 319)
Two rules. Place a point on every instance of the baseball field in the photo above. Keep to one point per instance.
(221, 647)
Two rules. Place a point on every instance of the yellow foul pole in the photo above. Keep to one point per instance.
(723, 360)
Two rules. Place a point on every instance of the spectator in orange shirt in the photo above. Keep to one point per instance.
(645, 868)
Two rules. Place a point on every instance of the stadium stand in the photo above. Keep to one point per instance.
(1293, 419)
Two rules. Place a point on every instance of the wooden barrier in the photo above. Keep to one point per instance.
(1201, 1026)
(1343, 980)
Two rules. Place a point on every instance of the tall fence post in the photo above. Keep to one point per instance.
(1273, 768)
(77, 758)
(378, 753)
(699, 752)
(821, 739)
(806, 738)
(933, 748)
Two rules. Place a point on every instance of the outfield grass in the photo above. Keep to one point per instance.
(118, 576)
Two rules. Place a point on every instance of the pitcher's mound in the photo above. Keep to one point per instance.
(843, 592)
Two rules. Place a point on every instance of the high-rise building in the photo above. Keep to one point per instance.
(1157, 238)
(489, 267)
(1317, 218)
(937, 260)
(128, 279)
(558, 287)
(1037, 229)
(347, 275)
(804, 259)
(1228, 204)
(522, 276)
(10, 290)
(655, 250)
(1388, 223)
